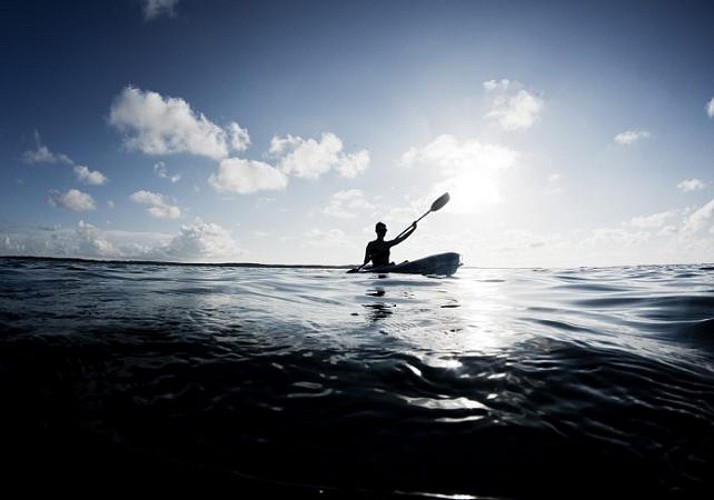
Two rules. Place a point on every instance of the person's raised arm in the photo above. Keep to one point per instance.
(406, 234)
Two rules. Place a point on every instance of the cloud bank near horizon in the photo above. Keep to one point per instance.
(196, 242)
(661, 236)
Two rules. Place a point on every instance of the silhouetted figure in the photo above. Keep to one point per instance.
(378, 250)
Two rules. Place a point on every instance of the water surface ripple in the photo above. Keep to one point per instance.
(494, 383)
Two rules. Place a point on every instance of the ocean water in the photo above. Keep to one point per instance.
(250, 382)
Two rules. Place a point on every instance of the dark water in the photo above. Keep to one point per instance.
(292, 383)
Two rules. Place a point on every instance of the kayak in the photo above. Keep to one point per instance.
(443, 264)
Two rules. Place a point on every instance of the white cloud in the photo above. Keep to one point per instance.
(492, 85)
(350, 166)
(93, 177)
(84, 240)
(671, 237)
(631, 136)
(239, 138)
(165, 212)
(200, 241)
(74, 200)
(157, 8)
(93, 244)
(236, 175)
(42, 154)
(308, 158)
(700, 218)
(348, 204)
(652, 221)
(10, 246)
(197, 242)
(159, 206)
(446, 153)
(158, 126)
(710, 108)
(148, 198)
(468, 170)
(691, 185)
(162, 172)
(512, 107)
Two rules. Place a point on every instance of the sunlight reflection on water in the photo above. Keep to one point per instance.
(320, 377)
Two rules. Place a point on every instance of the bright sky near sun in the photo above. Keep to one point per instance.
(567, 133)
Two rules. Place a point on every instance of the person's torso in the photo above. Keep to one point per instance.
(379, 250)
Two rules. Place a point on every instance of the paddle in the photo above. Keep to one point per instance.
(437, 205)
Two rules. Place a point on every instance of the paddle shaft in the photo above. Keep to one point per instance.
(420, 218)
(437, 205)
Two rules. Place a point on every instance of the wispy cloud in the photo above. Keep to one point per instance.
(236, 175)
(73, 200)
(451, 155)
(700, 218)
(513, 107)
(501, 85)
(631, 136)
(324, 239)
(162, 172)
(308, 158)
(688, 185)
(159, 205)
(652, 221)
(157, 8)
(42, 154)
(710, 108)
(156, 125)
(348, 204)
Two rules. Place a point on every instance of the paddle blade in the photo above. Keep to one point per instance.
(440, 202)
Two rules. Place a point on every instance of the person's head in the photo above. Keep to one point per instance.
(380, 228)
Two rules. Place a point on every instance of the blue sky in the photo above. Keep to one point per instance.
(280, 132)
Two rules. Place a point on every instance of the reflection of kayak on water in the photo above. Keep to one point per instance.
(443, 264)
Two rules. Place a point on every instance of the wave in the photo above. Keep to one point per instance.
(314, 380)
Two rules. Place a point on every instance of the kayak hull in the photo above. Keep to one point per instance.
(443, 264)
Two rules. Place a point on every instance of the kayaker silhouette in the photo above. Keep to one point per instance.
(378, 250)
